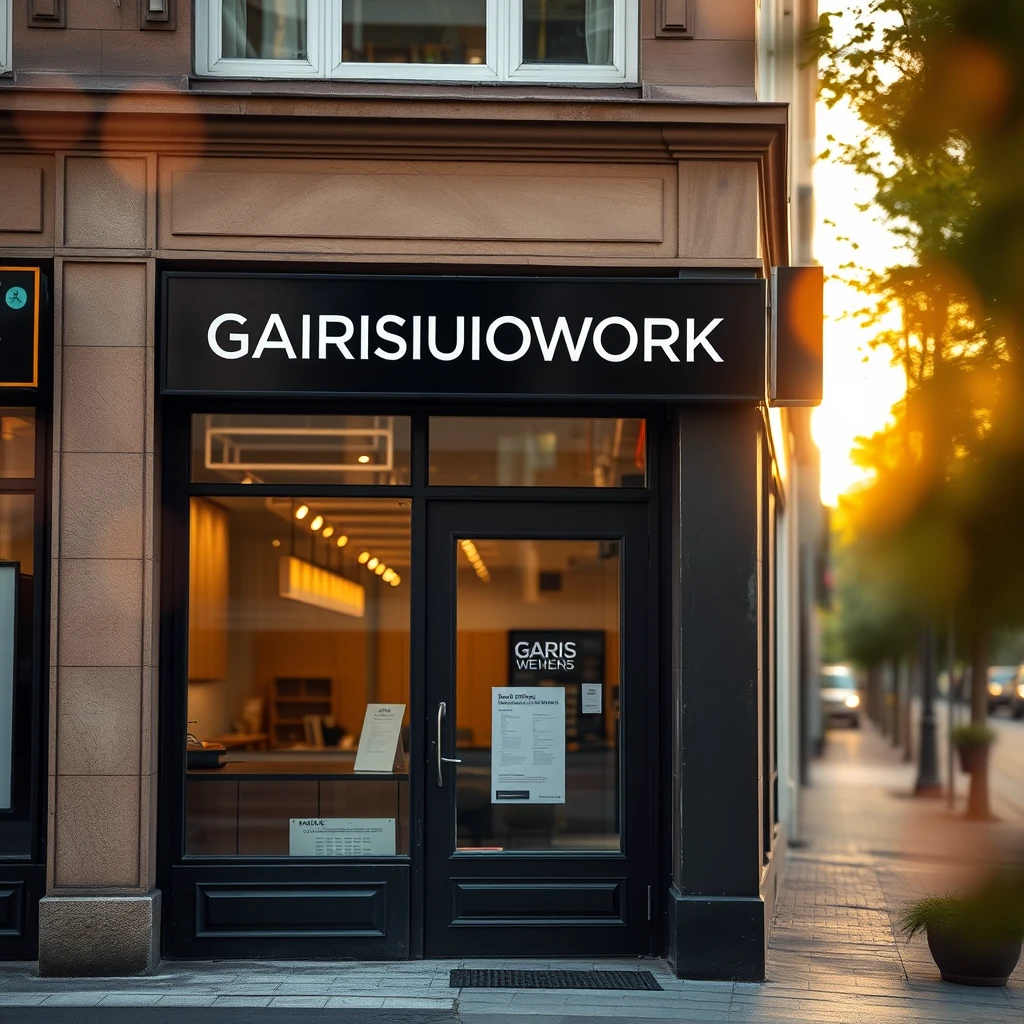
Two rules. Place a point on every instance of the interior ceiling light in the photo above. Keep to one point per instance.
(381, 569)
(276, 543)
(302, 511)
(364, 459)
(396, 579)
(342, 541)
(317, 523)
(372, 563)
(389, 575)
(328, 531)
(473, 556)
(364, 557)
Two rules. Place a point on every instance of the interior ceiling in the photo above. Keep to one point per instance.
(381, 526)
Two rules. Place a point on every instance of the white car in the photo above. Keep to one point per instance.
(839, 696)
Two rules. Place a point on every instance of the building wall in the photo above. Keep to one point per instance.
(108, 182)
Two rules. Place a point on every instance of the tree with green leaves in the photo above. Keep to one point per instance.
(936, 528)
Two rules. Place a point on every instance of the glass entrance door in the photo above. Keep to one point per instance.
(539, 791)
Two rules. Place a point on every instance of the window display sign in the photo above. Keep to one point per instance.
(8, 661)
(19, 327)
(528, 745)
(379, 743)
(325, 334)
(341, 837)
(573, 657)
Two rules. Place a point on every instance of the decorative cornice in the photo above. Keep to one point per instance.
(404, 128)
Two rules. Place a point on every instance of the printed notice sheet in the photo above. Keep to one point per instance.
(378, 742)
(592, 699)
(528, 745)
(341, 837)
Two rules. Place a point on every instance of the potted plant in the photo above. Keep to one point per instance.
(972, 742)
(974, 938)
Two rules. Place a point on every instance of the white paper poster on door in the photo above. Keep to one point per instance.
(379, 749)
(528, 745)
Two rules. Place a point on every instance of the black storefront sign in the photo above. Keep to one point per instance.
(249, 334)
(19, 327)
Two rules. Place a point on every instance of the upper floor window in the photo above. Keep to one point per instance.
(573, 41)
(5, 36)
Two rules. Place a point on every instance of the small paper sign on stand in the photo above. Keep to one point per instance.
(380, 743)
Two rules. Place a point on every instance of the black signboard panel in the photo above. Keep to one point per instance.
(19, 327)
(453, 336)
(562, 657)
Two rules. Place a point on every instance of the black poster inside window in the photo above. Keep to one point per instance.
(573, 658)
(422, 336)
(19, 326)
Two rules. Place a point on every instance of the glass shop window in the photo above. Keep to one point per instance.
(523, 452)
(298, 677)
(17, 536)
(245, 449)
(17, 443)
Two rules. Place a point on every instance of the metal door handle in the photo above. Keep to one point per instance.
(442, 710)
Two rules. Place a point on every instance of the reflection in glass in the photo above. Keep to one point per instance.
(17, 530)
(264, 29)
(250, 449)
(291, 636)
(567, 31)
(414, 31)
(543, 614)
(17, 442)
(523, 452)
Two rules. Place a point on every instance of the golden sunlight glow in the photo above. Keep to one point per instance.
(861, 384)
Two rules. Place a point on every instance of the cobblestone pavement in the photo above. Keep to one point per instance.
(865, 849)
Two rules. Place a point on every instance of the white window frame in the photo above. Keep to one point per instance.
(623, 69)
(6, 36)
(209, 27)
(504, 61)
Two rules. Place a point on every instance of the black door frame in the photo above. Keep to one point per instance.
(607, 896)
(181, 878)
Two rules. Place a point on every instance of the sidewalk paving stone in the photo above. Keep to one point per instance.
(835, 954)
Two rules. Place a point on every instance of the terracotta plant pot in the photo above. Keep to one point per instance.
(973, 757)
(966, 963)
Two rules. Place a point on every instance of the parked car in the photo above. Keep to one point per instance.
(1002, 687)
(839, 696)
(1017, 694)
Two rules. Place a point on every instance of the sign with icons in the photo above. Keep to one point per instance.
(19, 327)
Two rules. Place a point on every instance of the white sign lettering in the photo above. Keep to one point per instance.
(506, 338)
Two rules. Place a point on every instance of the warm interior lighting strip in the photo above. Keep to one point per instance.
(299, 580)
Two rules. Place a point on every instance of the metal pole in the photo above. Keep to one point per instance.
(950, 709)
(928, 781)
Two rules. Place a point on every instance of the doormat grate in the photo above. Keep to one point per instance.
(642, 981)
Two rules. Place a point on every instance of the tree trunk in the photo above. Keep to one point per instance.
(977, 801)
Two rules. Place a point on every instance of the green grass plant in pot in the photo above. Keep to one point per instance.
(972, 743)
(974, 937)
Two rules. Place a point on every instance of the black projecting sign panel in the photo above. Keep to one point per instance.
(19, 327)
(420, 336)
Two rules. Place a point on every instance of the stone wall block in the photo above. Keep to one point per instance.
(106, 406)
(101, 607)
(97, 831)
(98, 721)
(105, 304)
(718, 210)
(105, 202)
(102, 504)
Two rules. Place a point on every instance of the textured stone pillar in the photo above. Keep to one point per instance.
(101, 913)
